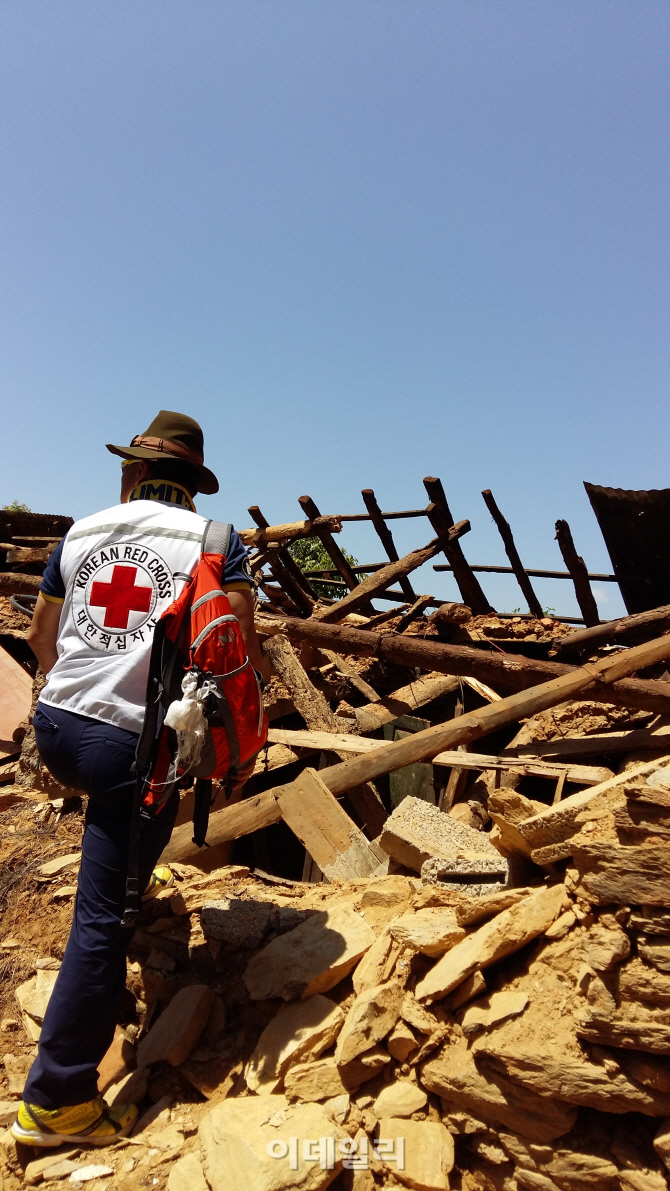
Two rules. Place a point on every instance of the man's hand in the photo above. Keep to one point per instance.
(43, 633)
(242, 605)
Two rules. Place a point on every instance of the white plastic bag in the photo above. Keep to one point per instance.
(187, 717)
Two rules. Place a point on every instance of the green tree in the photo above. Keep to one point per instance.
(311, 555)
(15, 507)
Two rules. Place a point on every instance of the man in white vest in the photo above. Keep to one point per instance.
(104, 589)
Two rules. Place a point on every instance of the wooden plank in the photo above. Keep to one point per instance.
(386, 538)
(578, 573)
(534, 605)
(632, 629)
(228, 824)
(326, 538)
(332, 839)
(439, 515)
(307, 699)
(534, 572)
(500, 671)
(586, 775)
(16, 692)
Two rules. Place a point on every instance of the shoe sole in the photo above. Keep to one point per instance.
(50, 1140)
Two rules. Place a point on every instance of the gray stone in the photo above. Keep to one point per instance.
(417, 831)
(473, 875)
(236, 923)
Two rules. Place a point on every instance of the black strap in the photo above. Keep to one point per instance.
(216, 538)
(201, 805)
(131, 910)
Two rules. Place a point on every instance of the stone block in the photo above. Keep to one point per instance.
(468, 873)
(431, 931)
(371, 1017)
(399, 1099)
(312, 958)
(299, 1032)
(178, 1028)
(237, 923)
(320, 1080)
(429, 1153)
(245, 1145)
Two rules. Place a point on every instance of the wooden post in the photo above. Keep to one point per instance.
(439, 515)
(534, 605)
(411, 614)
(509, 673)
(328, 542)
(386, 538)
(639, 627)
(458, 775)
(307, 699)
(578, 573)
(286, 571)
(380, 580)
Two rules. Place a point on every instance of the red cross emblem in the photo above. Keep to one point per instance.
(120, 597)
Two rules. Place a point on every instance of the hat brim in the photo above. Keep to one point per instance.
(207, 481)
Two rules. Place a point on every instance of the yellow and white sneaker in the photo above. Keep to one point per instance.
(161, 878)
(92, 1123)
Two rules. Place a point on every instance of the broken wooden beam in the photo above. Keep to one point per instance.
(327, 541)
(290, 530)
(17, 584)
(332, 839)
(439, 515)
(382, 579)
(422, 746)
(629, 741)
(510, 672)
(309, 701)
(631, 629)
(386, 538)
(578, 573)
(260, 811)
(504, 528)
(286, 571)
(408, 617)
(405, 701)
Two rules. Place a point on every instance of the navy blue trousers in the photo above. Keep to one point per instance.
(83, 1010)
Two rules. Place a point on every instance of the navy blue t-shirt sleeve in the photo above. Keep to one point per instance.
(237, 571)
(52, 586)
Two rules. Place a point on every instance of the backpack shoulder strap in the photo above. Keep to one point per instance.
(216, 538)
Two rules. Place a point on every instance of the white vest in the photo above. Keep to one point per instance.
(121, 569)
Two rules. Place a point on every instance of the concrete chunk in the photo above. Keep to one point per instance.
(310, 959)
(417, 831)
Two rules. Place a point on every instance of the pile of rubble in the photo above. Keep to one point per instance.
(400, 962)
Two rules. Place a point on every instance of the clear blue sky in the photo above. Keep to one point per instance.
(362, 241)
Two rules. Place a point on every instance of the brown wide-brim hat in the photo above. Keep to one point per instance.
(172, 436)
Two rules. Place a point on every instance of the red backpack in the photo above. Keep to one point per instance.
(198, 636)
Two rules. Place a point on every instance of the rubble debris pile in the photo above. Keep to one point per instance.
(429, 947)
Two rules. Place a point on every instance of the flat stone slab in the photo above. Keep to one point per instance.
(312, 958)
(236, 923)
